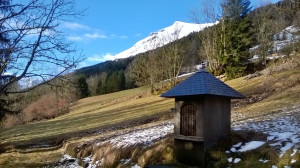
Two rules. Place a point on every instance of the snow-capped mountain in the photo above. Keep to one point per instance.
(162, 37)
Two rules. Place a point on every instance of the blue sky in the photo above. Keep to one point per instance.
(112, 26)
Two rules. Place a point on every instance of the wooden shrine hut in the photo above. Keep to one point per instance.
(202, 115)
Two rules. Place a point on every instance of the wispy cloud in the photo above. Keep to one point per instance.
(101, 58)
(113, 36)
(138, 34)
(87, 36)
(123, 37)
(74, 38)
(95, 36)
(81, 65)
(75, 26)
(7, 73)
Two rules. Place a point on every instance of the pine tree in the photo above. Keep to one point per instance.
(83, 89)
(234, 37)
(99, 89)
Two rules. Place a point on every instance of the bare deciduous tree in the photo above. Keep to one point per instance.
(208, 49)
(172, 56)
(92, 82)
(35, 46)
(265, 30)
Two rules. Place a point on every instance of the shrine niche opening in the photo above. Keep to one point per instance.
(188, 120)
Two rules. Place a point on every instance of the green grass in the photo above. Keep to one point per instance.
(88, 115)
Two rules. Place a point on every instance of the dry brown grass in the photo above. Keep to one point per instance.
(278, 90)
(160, 152)
(268, 94)
(12, 120)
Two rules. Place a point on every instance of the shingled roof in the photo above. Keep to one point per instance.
(202, 83)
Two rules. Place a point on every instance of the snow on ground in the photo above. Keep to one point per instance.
(282, 128)
(135, 166)
(234, 160)
(247, 147)
(139, 136)
(263, 160)
(280, 41)
(67, 161)
(143, 137)
(251, 145)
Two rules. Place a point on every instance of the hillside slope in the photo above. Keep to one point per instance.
(276, 89)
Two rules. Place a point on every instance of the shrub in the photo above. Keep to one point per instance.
(234, 72)
(46, 107)
(12, 120)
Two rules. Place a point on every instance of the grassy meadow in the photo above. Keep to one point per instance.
(39, 143)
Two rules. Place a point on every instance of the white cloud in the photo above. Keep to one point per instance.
(138, 35)
(123, 37)
(74, 38)
(81, 65)
(7, 73)
(95, 35)
(75, 26)
(117, 36)
(101, 58)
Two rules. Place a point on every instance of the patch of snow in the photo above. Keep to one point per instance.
(236, 160)
(283, 128)
(281, 40)
(125, 161)
(263, 160)
(233, 150)
(87, 159)
(140, 136)
(68, 161)
(234, 147)
(251, 145)
(144, 137)
(293, 161)
(237, 145)
(237, 129)
(135, 166)
(255, 57)
(294, 152)
(254, 48)
(271, 137)
(286, 147)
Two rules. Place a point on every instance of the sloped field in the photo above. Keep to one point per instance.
(41, 143)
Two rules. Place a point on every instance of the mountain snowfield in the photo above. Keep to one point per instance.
(162, 37)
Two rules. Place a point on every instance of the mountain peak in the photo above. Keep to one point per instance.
(178, 22)
(162, 37)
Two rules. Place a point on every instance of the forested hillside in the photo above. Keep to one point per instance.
(225, 47)
(238, 44)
